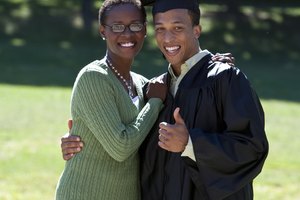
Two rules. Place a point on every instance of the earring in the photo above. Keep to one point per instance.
(145, 36)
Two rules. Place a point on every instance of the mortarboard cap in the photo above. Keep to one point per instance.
(165, 5)
(147, 2)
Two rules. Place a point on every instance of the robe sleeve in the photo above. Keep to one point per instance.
(228, 160)
(189, 151)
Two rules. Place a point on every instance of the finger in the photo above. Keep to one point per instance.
(163, 125)
(162, 138)
(230, 61)
(65, 145)
(162, 131)
(70, 124)
(166, 134)
(227, 60)
(162, 78)
(70, 138)
(163, 145)
(71, 150)
(165, 128)
(233, 59)
(153, 80)
(215, 57)
(67, 157)
(159, 79)
(220, 58)
(226, 54)
(177, 116)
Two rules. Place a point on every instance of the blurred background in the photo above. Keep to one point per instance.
(44, 44)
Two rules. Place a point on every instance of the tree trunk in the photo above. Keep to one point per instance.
(87, 14)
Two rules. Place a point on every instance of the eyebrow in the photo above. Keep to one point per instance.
(133, 21)
(174, 22)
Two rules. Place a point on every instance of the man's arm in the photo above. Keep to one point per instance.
(70, 144)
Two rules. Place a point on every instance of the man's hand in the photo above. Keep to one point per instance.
(173, 137)
(70, 144)
(224, 57)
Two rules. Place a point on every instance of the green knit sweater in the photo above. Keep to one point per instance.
(112, 129)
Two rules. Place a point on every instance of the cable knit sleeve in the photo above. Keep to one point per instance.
(95, 100)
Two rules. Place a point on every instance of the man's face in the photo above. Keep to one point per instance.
(175, 35)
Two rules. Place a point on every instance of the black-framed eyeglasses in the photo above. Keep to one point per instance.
(120, 28)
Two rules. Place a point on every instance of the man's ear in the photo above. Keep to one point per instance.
(197, 31)
(145, 29)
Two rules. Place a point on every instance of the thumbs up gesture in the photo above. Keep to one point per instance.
(173, 137)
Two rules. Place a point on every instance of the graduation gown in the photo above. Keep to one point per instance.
(226, 124)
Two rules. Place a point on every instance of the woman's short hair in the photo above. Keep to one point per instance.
(109, 4)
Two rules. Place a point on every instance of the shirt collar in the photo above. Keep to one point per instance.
(188, 64)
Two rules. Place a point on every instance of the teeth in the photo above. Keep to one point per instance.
(171, 49)
(127, 44)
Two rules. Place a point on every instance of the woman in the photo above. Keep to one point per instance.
(109, 113)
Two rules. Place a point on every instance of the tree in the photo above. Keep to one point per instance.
(87, 14)
(233, 6)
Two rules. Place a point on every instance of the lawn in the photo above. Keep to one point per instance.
(34, 118)
(38, 67)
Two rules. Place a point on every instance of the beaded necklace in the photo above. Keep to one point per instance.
(127, 83)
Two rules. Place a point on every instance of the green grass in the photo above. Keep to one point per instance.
(34, 118)
(280, 177)
(31, 122)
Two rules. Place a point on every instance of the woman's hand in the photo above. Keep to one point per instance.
(157, 88)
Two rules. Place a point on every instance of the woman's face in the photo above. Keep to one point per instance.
(128, 43)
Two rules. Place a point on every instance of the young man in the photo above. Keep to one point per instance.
(218, 146)
(215, 145)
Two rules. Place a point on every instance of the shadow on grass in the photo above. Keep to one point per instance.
(46, 49)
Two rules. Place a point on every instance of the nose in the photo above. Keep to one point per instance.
(168, 36)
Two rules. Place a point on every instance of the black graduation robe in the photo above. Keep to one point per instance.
(226, 125)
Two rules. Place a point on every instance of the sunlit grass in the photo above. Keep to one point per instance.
(33, 119)
(31, 122)
(280, 177)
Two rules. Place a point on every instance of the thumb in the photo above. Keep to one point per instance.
(70, 124)
(177, 116)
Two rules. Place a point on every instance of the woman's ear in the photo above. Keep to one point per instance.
(102, 31)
